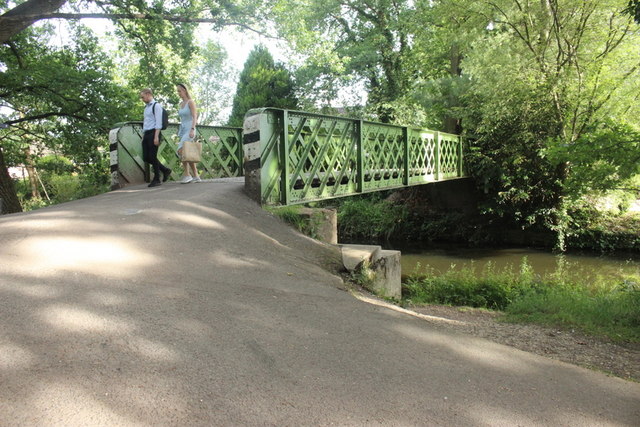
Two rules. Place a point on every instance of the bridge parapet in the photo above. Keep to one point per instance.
(295, 157)
(221, 153)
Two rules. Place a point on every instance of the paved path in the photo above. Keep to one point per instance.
(187, 305)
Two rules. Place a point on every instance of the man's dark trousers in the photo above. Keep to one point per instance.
(150, 155)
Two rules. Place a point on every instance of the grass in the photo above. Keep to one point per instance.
(292, 215)
(602, 307)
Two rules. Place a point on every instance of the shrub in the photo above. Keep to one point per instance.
(604, 232)
(369, 219)
(64, 187)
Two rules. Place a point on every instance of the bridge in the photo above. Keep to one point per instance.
(289, 157)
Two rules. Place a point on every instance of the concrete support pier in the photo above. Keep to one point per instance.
(381, 268)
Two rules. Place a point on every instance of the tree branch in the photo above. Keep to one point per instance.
(20, 19)
(138, 16)
(43, 116)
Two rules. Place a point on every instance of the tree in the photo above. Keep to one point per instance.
(210, 80)
(157, 36)
(263, 83)
(8, 197)
(57, 99)
(350, 40)
(21, 16)
(546, 79)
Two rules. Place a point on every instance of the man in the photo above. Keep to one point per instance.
(151, 125)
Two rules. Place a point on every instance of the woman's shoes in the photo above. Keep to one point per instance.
(188, 178)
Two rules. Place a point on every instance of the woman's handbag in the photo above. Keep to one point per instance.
(191, 151)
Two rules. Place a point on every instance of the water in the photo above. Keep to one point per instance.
(586, 266)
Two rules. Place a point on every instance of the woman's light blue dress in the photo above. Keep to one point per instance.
(186, 123)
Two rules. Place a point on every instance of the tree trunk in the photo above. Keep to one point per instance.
(11, 27)
(10, 202)
(453, 124)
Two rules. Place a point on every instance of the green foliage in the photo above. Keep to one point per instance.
(60, 100)
(373, 217)
(613, 312)
(65, 98)
(602, 307)
(551, 110)
(73, 84)
(467, 287)
(603, 231)
(546, 122)
(407, 216)
(448, 226)
(599, 160)
(291, 215)
(263, 83)
(346, 42)
(63, 181)
(60, 188)
(633, 9)
(64, 188)
(34, 203)
(211, 80)
(507, 161)
(54, 165)
(369, 218)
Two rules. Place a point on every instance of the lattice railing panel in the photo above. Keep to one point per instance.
(382, 155)
(221, 155)
(321, 157)
(422, 156)
(449, 147)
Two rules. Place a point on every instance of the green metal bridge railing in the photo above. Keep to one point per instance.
(291, 157)
(295, 157)
(221, 155)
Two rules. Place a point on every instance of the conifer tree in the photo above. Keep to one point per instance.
(263, 83)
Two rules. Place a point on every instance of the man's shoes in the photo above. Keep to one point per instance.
(186, 179)
(196, 179)
(166, 176)
(154, 184)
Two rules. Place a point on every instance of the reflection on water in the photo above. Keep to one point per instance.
(542, 263)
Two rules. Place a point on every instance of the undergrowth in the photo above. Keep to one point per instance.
(603, 307)
(375, 218)
(291, 215)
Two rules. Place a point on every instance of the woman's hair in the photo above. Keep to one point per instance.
(186, 91)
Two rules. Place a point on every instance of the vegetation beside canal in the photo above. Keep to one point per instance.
(378, 218)
(603, 307)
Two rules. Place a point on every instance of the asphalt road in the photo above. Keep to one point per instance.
(188, 305)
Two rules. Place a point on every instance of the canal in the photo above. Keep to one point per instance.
(586, 266)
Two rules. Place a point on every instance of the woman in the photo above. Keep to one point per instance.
(187, 131)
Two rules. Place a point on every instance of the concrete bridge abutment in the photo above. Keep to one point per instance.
(380, 269)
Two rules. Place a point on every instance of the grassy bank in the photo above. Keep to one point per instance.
(602, 307)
